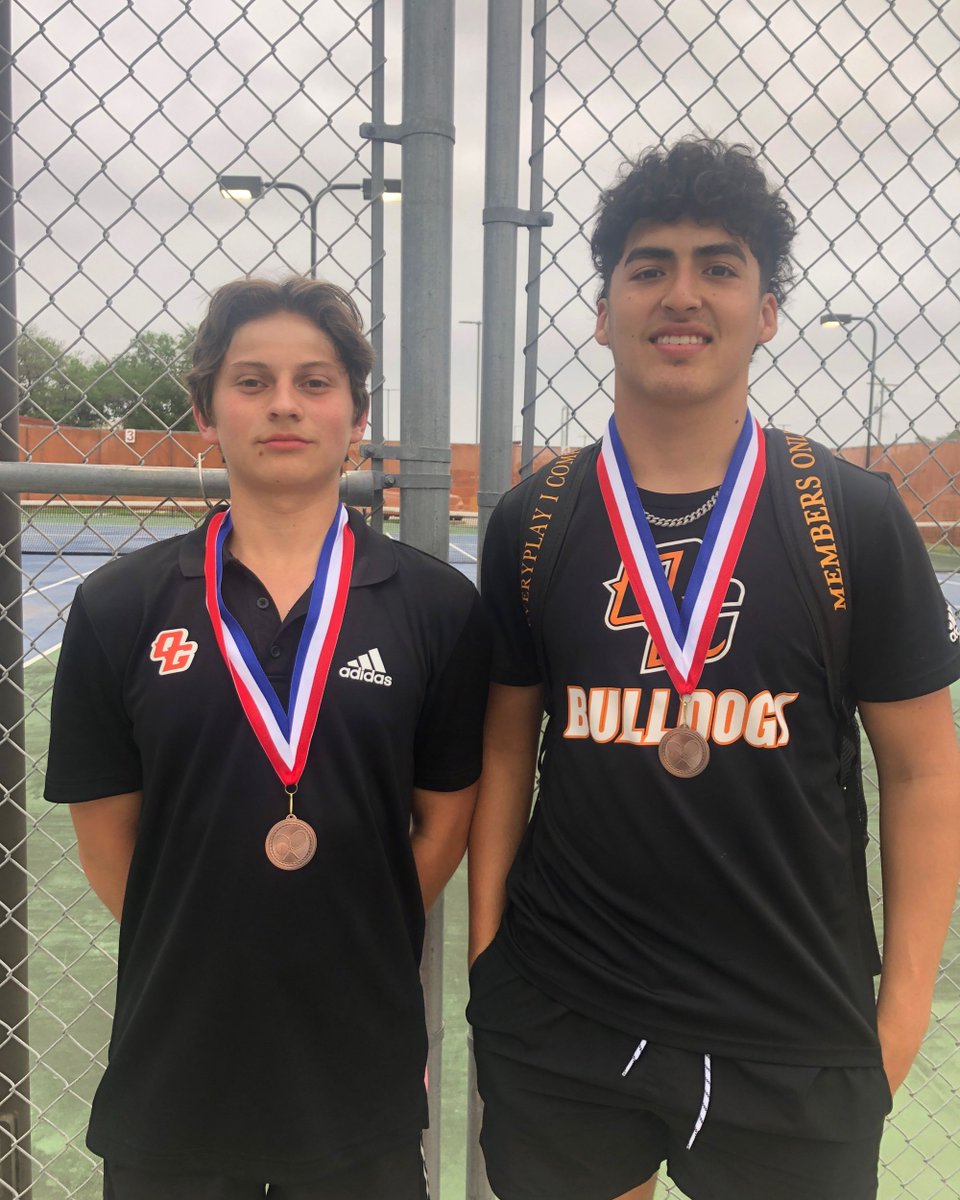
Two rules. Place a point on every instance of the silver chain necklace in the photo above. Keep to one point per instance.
(675, 522)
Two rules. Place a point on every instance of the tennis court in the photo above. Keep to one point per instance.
(61, 544)
(72, 941)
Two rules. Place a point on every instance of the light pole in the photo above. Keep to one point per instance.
(388, 392)
(479, 325)
(832, 320)
(247, 188)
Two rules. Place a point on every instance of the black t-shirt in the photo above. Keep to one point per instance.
(722, 913)
(269, 1024)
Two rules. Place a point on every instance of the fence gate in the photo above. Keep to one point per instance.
(128, 132)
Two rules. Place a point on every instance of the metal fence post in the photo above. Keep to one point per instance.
(14, 994)
(501, 218)
(500, 221)
(531, 343)
(427, 136)
(378, 432)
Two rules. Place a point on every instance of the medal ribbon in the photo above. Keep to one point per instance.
(284, 735)
(682, 636)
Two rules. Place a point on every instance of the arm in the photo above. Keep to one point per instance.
(510, 738)
(918, 763)
(106, 833)
(438, 834)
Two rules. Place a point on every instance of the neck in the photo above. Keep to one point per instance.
(281, 531)
(670, 452)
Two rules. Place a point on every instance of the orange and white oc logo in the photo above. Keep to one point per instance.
(173, 650)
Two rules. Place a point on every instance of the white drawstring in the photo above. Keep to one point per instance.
(707, 1086)
(636, 1054)
(707, 1073)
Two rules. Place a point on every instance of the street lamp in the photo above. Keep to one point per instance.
(247, 188)
(479, 325)
(832, 320)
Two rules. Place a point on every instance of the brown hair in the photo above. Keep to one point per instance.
(329, 307)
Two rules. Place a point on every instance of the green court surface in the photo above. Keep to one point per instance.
(71, 977)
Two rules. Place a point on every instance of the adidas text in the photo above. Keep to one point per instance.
(366, 676)
(369, 668)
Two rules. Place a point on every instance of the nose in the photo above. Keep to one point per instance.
(683, 291)
(285, 400)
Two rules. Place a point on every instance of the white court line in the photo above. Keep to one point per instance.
(452, 545)
(59, 583)
(42, 656)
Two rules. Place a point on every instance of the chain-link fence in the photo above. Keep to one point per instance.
(129, 133)
(125, 117)
(853, 106)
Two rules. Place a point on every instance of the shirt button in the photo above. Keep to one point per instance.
(263, 602)
(275, 652)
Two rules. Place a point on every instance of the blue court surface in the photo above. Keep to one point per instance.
(50, 581)
(51, 578)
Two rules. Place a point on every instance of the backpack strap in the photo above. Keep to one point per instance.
(808, 508)
(546, 522)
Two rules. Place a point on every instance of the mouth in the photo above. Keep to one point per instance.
(680, 339)
(282, 443)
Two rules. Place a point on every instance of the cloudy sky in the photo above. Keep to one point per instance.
(126, 114)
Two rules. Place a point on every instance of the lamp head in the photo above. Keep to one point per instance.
(391, 190)
(832, 320)
(242, 188)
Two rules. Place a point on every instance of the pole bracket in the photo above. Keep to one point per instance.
(517, 216)
(379, 131)
(406, 480)
(404, 452)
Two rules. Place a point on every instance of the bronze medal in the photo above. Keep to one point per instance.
(291, 843)
(683, 752)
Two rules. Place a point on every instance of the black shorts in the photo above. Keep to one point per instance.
(395, 1173)
(575, 1110)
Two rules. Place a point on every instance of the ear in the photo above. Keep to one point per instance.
(359, 429)
(207, 429)
(767, 320)
(601, 333)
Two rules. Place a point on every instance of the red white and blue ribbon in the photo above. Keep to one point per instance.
(284, 735)
(682, 636)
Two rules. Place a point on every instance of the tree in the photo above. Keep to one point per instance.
(52, 381)
(141, 389)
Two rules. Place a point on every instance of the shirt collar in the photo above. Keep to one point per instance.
(375, 557)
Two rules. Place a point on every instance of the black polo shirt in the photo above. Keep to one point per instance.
(726, 913)
(268, 1023)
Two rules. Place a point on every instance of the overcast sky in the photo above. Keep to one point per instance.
(126, 114)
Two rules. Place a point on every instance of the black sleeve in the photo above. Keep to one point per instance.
(449, 739)
(903, 641)
(514, 657)
(92, 750)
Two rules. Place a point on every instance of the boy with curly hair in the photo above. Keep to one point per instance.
(674, 959)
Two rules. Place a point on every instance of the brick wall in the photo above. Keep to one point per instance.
(928, 477)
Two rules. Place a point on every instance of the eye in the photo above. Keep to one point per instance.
(248, 383)
(316, 383)
(644, 273)
(721, 271)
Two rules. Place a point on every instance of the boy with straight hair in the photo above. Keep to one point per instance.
(674, 959)
(268, 731)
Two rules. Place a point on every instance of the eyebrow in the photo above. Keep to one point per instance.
(662, 254)
(252, 364)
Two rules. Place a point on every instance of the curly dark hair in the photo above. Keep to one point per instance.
(329, 307)
(707, 181)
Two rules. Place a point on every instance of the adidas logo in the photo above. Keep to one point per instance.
(367, 667)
